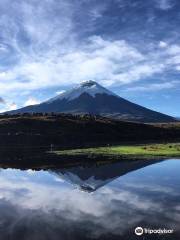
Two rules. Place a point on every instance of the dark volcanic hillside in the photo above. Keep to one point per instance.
(67, 131)
(91, 98)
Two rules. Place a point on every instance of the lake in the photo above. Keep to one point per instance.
(92, 202)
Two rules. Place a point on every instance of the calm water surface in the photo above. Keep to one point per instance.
(94, 202)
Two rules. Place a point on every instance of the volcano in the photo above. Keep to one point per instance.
(89, 97)
(91, 178)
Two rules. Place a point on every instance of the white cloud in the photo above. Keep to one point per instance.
(60, 92)
(8, 106)
(164, 4)
(138, 72)
(2, 75)
(31, 101)
(12, 106)
(99, 59)
(173, 49)
(48, 53)
(178, 68)
(105, 208)
(155, 86)
(108, 62)
(163, 44)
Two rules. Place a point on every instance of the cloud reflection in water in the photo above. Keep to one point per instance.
(39, 205)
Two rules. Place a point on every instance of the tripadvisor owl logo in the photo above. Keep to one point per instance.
(139, 231)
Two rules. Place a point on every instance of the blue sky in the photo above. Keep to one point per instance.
(130, 46)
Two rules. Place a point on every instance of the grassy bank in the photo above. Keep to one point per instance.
(136, 151)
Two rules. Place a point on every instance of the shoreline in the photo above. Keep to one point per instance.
(136, 151)
(84, 156)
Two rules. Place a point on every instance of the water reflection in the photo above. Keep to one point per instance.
(43, 205)
(90, 178)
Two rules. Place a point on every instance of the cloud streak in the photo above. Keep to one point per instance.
(109, 62)
(56, 44)
(154, 87)
(165, 4)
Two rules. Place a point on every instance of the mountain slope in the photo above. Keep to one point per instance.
(90, 97)
(93, 177)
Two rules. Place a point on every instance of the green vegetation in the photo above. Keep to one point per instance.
(135, 151)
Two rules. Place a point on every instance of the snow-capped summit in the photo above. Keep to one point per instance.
(90, 97)
(91, 178)
(89, 87)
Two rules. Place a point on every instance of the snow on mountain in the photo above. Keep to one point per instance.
(91, 178)
(90, 184)
(90, 87)
(91, 98)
